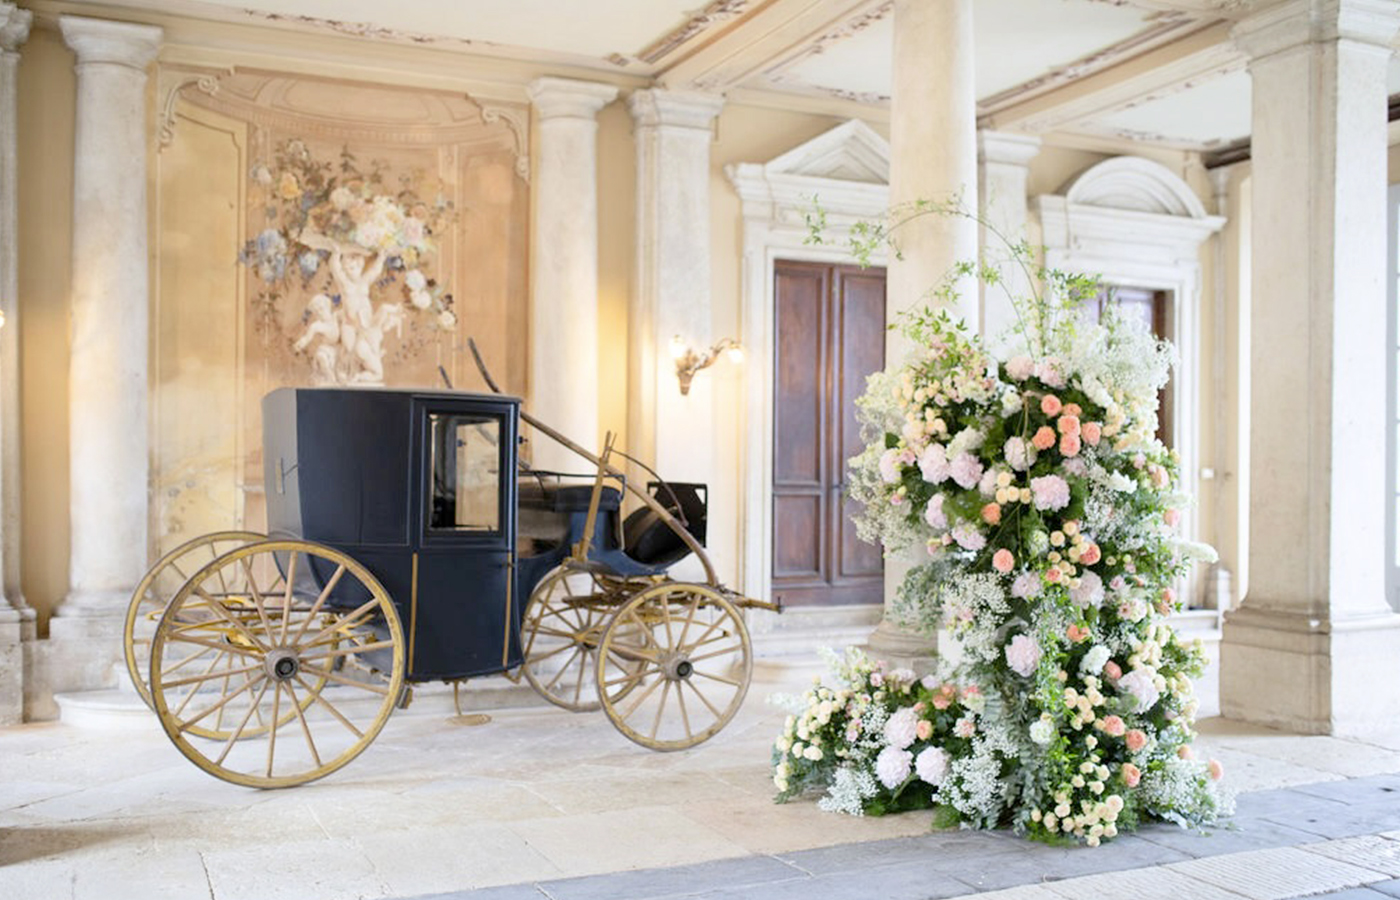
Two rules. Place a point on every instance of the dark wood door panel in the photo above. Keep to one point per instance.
(800, 360)
(798, 540)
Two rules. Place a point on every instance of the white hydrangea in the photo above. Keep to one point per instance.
(1042, 731)
(1089, 592)
(1093, 661)
(892, 766)
(931, 765)
(902, 728)
(1141, 684)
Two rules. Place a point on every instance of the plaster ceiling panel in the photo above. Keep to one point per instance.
(1204, 115)
(596, 29)
(1016, 41)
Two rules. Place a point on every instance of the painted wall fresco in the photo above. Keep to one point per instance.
(315, 232)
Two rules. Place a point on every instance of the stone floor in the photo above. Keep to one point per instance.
(540, 803)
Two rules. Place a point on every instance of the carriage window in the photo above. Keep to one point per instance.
(466, 481)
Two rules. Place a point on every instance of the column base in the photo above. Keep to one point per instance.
(12, 667)
(900, 648)
(83, 653)
(1309, 674)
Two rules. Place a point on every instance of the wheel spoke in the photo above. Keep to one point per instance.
(305, 727)
(276, 717)
(287, 597)
(194, 679)
(685, 717)
(689, 620)
(258, 601)
(247, 687)
(708, 631)
(189, 659)
(548, 653)
(358, 648)
(578, 685)
(348, 682)
(660, 707)
(218, 608)
(346, 623)
(708, 705)
(637, 701)
(316, 695)
(713, 653)
(717, 678)
(223, 646)
(191, 695)
(320, 600)
(233, 738)
(569, 662)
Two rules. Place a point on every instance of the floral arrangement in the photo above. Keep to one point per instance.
(313, 208)
(1046, 511)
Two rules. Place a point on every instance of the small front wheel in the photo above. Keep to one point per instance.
(674, 665)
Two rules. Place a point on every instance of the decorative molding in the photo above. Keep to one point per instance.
(1000, 148)
(852, 26)
(555, 98)
(718, 12)
(99, 41)
(14, 27)
(518, 122)
(674, 109)
(852, 151)
(206, 83)
(1291, 23)
(361, 29)
(1133, 183)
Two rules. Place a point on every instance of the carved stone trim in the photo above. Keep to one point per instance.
(846, 29)
(14, 27)
(102, 42)
(717, 12)
(517, 120)
(206, 83)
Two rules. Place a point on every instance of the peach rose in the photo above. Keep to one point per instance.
(1050, 405)
(1135, 739)
(1185, 752)
(1044, 439)
(1090, 554)
(1052, 574)
(991, 513)
(1112, 671)
(1068, 424)
(1091, 432)
(1003, 561)
(1112, 726)
(1072, 409)
(1069, 445)
(1171, 517)
(1217, 771)
(924, 730)
(1077, 633)
(1131, 774)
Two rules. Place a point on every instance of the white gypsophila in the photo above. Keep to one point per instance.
(1121, 483)
(1140, 684)
(850, 787)
(1042, 731)
(931, 765)
(880, 522)
(974, 786)
(1095, 391)
(902, 728)
(1094, 661)
(892, 766)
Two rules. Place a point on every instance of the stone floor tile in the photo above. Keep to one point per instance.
(1372, 789)
(291, 870)
(428, 860)
(1022, 892)
(1368, 851)
(761, 826)
(1037, 863)
(505, 892)
(1388, 888)
(625, 791)
(1328, 754)
(674, 881)
(953, 849)
(1277, 803)
(1246, 770)
(620, 840)
(1276, 874)
(908, 881)
(1232, 836)
(1153, 883)
(1351, 820)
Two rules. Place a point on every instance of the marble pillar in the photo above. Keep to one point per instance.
(1004, 167)
(671, 294)
(1314, 646)
(933, 157)
(16, 619)
(110, 313)
(564, 268)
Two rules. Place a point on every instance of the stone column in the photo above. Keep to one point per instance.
(672, 291)
(108, 389)
(16, 619)
(933, 156)
(564, 268)
(1005, 161)
(1313, 646)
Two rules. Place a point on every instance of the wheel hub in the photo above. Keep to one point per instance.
(677, 667)
(282, 664)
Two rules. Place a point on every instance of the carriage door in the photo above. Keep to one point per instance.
(462, 621)
(830, 334)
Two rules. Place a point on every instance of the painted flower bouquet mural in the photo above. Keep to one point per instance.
(360, 245)
(1045, 510)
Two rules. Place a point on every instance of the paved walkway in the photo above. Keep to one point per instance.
(543, 803)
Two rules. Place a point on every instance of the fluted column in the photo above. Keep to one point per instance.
(1005, 161)
(933, 156)
(564, 267)
(671, 295)
(16, 620)
(107, 395)
(1313, 646)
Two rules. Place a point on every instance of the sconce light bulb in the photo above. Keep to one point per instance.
(736, 353)
(677, 347)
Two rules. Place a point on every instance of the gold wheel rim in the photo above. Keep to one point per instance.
(151, 596)
(560, 632)
(696, 662)
(296, 648)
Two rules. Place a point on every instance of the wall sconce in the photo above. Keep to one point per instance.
(688, 362)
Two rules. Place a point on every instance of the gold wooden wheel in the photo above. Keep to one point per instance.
(674, 666)
(562, 625)
(292, 652)
(159, 587)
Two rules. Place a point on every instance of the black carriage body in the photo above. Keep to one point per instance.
(420, 488)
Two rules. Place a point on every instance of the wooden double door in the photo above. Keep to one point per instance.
(829, 336)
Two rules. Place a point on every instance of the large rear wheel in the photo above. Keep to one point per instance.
(291, 652)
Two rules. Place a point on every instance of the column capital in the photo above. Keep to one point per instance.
(566, 98)
(1291, 23)
(117, 43)
(679, 109)
(14, 27)
(1006, 148)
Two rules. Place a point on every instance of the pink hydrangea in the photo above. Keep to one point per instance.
(892, 766)
(933, 513)
(1051, 492)
(1049, 370)
(987, 487)
(889, 466)
(1019, 368)
(1026, 586)
(933, 464)
(1003, 561)
(1138, 684)
(966, 470)
(932, 765)
(1089, 592)
(1023, 655)
(968, 537)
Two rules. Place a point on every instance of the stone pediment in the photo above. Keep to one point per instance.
(852, 151)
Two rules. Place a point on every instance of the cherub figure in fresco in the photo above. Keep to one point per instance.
(369, 342)
(324, 324)
(361, 326)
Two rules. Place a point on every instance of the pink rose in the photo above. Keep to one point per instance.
(1217, 771)
(1185, 752)
(1050, 405)
(1171, 517)
(1112, 726)
(1069, 445)
(965, 727)
(1052, 574)
(1068, 424)
(1091, 432)
(1003, 561)
(1090, 554)
(1135, 739)
(1044, 439)
(924, 730)
(991, 513)
(1112, 671)
(970, 692)
(1131, 774)
(1072, 409)
(1077, 633)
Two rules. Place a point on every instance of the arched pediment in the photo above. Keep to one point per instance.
(1137, 184)
(852, 151)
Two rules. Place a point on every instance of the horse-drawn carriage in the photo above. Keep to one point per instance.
(407, 544)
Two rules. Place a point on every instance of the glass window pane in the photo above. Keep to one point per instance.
(466, 479)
